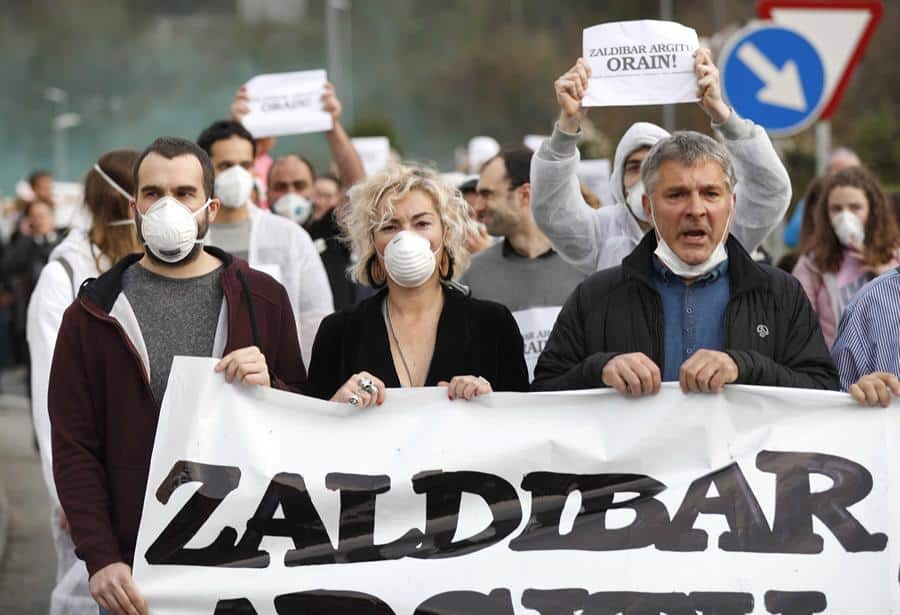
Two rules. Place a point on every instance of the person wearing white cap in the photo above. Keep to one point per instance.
(594, 239)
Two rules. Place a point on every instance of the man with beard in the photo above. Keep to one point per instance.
(522, 272)
(115, 349)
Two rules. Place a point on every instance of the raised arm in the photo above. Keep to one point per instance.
(764, 187)
(350, 167)
(575, 230)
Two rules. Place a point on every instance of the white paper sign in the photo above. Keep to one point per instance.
(375, 153)
(757, 500)
(640, 63)
(533, 142)
(287, 104)
(594, 174)
(535, 325)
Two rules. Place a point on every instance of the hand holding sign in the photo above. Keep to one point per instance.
(709, 87)
(570, 91)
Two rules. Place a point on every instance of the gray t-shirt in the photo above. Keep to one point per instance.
(176, 317)
(534, 290)
(233, 237)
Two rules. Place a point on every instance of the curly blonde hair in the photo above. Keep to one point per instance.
(359, 219)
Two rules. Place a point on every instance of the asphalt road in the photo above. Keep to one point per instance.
(28, 566)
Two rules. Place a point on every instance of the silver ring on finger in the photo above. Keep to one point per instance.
(353, 400)
(483, 381)
(368, 386)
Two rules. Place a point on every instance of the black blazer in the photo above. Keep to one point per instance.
(474, 337)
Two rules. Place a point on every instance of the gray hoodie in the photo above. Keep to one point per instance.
(594, 239)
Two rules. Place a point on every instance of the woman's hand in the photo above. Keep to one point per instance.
(361, 390)
(466, 387)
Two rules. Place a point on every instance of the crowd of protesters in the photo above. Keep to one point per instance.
(344, 286)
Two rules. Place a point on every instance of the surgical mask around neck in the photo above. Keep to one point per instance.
(234, 186)
(409, 260)
(294, 207)
(633, 199)
(170, 228)
(849, 229)
(685, 270)
(112, 183)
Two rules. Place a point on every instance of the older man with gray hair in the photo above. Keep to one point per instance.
(688, 303)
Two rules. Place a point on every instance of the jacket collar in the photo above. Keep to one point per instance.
(745, 273)
(104, 291)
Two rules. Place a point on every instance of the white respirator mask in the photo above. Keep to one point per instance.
(634, 201)
(682, 269)
(409, 259)
(849, 229)
(234, 186)
(170, 229)
(294, 207)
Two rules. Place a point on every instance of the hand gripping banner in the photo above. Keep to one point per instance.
(757, 500)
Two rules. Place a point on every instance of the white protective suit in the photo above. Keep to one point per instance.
(594, 239)
(284, 250)
(53, 293)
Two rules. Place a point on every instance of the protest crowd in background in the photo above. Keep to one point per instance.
(507, 274)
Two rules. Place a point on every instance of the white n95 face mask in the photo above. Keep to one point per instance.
(682, 269)
(849, 229)
(294, 207)
(634, 201)
(170, 229)
(234, 186)
(409, 260)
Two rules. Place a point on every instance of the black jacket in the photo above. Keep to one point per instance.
(771, 330)
(474, 337)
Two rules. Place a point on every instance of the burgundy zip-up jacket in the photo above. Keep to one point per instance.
(103, 412)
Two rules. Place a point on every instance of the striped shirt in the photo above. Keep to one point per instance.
(868, 338)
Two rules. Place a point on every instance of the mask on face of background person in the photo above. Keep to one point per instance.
(234, 186)
(409, 260)
(682, 269)
(633, 199)
(849, 229)
(294, 207)
(170, 229)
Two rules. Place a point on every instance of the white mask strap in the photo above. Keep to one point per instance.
(120, 223)
(112, 183)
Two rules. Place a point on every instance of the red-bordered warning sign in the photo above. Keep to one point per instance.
(840, 29)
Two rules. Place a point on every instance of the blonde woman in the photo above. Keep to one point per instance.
(409, 230)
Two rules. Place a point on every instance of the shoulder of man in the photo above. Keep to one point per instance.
(260, 284)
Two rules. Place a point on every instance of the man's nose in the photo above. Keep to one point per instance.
(695, 205)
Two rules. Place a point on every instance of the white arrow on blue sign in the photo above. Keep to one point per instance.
(773, 76)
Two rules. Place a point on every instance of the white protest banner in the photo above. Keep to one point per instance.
(374, 152)
(594, 174)
(756, 500)
(642, 62)
(287, 104)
